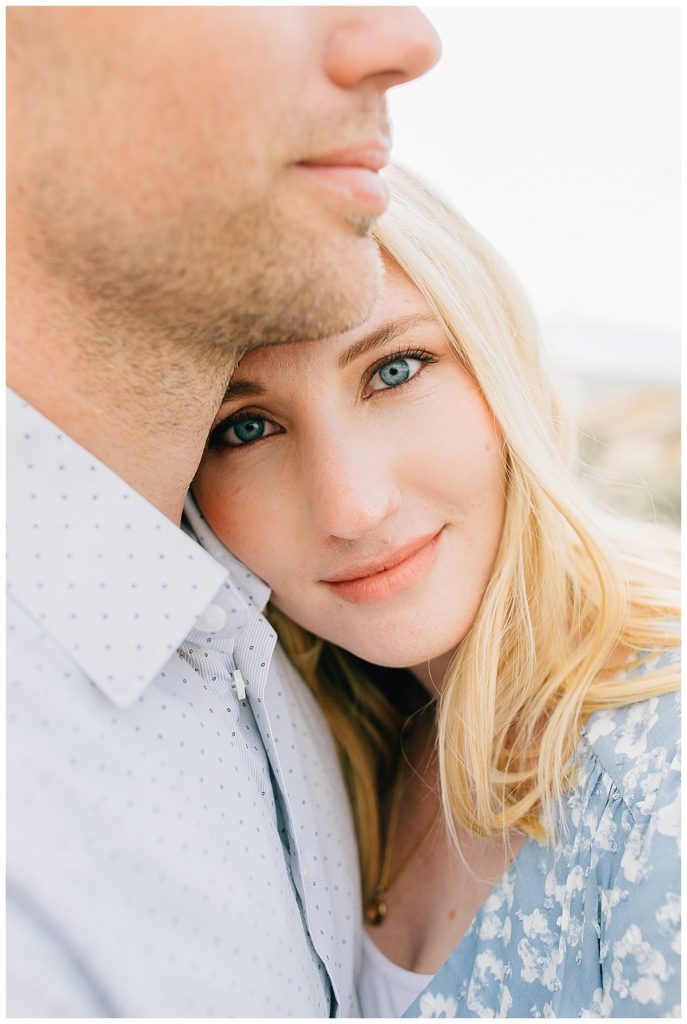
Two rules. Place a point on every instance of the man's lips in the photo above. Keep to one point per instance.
(353, 174)
(372, 156)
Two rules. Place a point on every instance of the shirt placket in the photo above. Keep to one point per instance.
(213, 659)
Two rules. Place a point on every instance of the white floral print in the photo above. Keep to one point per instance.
(588, 926)
(437, 1006)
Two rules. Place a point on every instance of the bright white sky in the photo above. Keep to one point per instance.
(556, 131)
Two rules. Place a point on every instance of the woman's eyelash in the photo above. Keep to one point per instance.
(420, 354)
(216, 435)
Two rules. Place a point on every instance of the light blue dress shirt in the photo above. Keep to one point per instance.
(179, 840)
(588, 926)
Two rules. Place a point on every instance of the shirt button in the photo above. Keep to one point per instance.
(212, 619)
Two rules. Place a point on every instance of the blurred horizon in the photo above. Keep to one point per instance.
(556, 132)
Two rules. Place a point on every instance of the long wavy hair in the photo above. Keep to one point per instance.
(577, 595)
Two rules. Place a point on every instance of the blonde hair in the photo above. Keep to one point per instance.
(572, 586)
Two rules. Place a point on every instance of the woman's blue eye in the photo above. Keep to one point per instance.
(396, 371)
(244, 432)
(249, 430)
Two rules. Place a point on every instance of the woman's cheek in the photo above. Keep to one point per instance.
(257, 530)
(227, 506)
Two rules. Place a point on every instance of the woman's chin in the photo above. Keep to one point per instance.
(413, 657)
(405, 639)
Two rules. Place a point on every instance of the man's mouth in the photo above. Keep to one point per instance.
(353, 174)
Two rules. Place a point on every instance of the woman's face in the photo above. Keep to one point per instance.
(361, 477)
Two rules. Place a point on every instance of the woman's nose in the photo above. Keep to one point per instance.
(352, 489)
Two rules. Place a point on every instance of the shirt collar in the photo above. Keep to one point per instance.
(115, 582)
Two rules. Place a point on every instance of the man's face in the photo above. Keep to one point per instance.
(168, 162)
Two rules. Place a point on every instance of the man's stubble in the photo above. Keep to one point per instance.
(208, 283)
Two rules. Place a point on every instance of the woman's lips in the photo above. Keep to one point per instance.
(407, 567)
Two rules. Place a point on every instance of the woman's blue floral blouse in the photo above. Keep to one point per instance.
(589, 927)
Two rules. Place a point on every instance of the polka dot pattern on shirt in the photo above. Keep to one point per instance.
(182, 843)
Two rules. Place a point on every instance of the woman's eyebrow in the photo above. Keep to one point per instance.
(384, 333)
(241, 388)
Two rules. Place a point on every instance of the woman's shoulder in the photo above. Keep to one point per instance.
(637, 745)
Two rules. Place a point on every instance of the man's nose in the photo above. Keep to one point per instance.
(351, 490)
(384, 46)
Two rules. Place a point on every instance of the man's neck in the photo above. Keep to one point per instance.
(143, 410)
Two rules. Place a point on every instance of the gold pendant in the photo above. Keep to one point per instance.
(375, 911)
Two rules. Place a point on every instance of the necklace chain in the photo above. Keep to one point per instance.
(376, 909)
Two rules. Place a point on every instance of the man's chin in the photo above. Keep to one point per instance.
(338, 291)
(362, 226)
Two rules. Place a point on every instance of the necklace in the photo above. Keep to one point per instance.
(375, 911)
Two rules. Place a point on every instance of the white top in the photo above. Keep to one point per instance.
(384, 988)
(172, 850)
